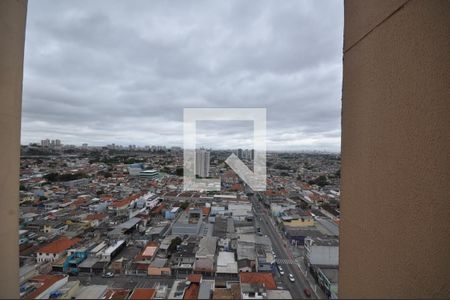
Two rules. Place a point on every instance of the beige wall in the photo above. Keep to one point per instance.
(153, 271)
(12, 33)
(395, 223)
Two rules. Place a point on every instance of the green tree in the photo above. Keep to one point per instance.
(51, 177)
(321, 181)
(184, 205)
(179, 172)
(174, 243)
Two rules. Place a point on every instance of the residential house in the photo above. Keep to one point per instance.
(55, 250)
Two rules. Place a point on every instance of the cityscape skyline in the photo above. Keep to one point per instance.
(159, 146)
(106, 72)
(194, 150)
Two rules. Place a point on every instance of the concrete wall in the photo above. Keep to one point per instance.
(395, 227)
(323, 255)
(12, 33)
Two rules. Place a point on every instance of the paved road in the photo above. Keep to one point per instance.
(283, 254)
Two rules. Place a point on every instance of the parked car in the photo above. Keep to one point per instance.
(108, 275)
(280, 269)
(307, 293)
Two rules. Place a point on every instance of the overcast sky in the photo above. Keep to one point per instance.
(102, 72)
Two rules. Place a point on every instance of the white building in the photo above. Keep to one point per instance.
(240, 211)
(322, 251)
(202, 160)
(226, 264)
(55, 250)
(109, 253)
(42, 286)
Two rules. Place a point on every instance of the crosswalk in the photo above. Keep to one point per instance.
(285, 261)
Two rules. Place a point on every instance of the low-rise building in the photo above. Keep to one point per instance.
(55, 250)
(322, 251)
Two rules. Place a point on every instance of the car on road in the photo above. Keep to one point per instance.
(280, 269)
(108, 275)
(307, 293)
(275, 256)
(291, 277)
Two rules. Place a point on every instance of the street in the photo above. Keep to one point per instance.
(284, 255)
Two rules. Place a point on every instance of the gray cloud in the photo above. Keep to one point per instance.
(122, 71)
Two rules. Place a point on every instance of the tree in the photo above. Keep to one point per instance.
(51, 177)
(281, 167)
(165, 170)
(174, 243)
(321, 181)
(105, 174)
(184, 205)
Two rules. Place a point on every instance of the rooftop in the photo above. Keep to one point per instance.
(192, 291)
(60, 245)
(43, 282)
(331, 241)
(256, 277)
(143, 293)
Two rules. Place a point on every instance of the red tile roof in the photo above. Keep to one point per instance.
(192, 291)
(116, 294)
(259, 277)
(206, 210)
(158, 209)
(143, 294)
(96, 216)
(79, 202)
(125, 201)
(237, 187)
(106, 197)
(45, 282)
(194, 278)
(60, 245)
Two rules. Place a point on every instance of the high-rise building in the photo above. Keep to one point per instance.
(247, 154)
(202, 160)
(240, 153)
(51, 143)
